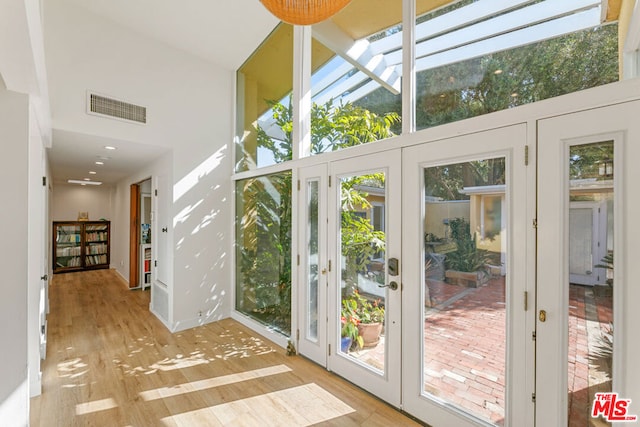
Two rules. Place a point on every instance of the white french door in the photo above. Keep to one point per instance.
(588, 162)
(312, 266)
(518, 344)
(349, 243)
(468, 204)
(364, 256)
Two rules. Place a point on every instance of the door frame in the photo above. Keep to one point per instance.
(134, 235)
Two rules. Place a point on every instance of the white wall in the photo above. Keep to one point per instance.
(68, 200)
(189, 106)
(14, 179)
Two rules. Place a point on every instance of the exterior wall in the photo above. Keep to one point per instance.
(437, 212)
(14, 257)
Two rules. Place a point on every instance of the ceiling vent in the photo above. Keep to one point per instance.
(103, 106)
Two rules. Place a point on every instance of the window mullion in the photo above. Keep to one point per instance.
(408, 66)
(301, 132)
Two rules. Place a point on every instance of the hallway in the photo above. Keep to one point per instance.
(111, 362)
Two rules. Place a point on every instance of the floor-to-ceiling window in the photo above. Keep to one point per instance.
(471, 58)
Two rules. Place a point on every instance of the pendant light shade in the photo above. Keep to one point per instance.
(304, 12)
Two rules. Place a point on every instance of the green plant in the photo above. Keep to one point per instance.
(349, 322)
(607, 262)
(467, 257)
(365, 310)
(602, 354)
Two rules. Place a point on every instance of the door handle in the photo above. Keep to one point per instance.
(542, 316)
(393, 286)
(164, 229)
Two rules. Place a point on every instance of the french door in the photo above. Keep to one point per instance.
(525, 340)
(349, 272)
(579, 351)
(468, 292)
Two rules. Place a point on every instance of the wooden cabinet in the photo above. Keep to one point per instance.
(81, 245)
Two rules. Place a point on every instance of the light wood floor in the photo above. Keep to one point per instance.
(110, 362)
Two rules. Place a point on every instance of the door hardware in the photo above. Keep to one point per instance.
(394, 267)
(45, 277)
(393, 286)
(164, 229)
(542, 316)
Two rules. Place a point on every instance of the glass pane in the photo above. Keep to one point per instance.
(312, 261)
(465, 232)
(473, 58)
(356, 76)
(590, 262)
(362, 267)
(263, 250)
(264, 85)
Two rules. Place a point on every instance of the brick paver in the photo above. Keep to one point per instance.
(465, 347)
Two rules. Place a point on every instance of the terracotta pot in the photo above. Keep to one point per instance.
(370, 333)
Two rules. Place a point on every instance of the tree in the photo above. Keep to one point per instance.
(265, 252)
(518, 76)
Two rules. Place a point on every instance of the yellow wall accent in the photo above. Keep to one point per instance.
(361, 18)
(625, 12)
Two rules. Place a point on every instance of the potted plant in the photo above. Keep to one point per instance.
(467, 265)
(370, 317)
(349, 326)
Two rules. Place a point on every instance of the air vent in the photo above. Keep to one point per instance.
(113, 108)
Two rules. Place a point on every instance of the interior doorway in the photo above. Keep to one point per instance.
(140, 235)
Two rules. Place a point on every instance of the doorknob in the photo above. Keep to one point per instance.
(393, 286)
(164, 229)
(542, 316)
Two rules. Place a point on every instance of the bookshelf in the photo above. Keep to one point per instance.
(80, 245)
(145, 265)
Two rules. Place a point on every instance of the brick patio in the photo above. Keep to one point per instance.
(465, 348)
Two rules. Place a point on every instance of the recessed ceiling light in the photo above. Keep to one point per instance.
(100, 163)
(87, 179)
(110, 147)
(75, 181)
(92, 172)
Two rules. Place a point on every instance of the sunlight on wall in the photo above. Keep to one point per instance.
(193, 177)
(95, 406)
(297, 406)
(175, 390)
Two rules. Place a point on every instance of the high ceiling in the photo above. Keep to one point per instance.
(198, 27)
(194, 26)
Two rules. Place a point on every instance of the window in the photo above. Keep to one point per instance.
(263, 250)
(264, 84)
(477, 57)
(356, 88)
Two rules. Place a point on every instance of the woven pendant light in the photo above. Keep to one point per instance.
(304, 12)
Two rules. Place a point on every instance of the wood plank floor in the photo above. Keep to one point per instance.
(110, 362)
